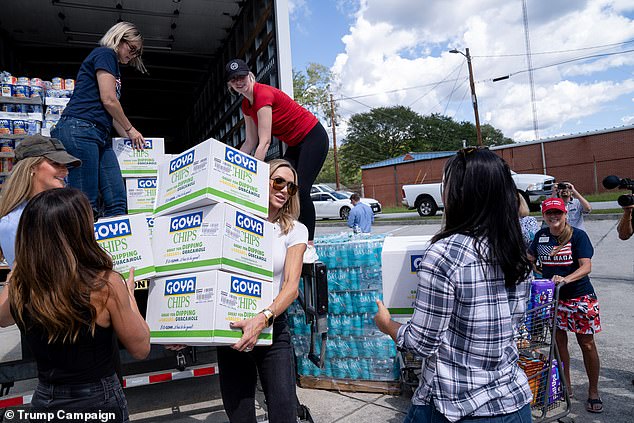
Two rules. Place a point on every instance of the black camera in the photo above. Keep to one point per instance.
(612, 181)
(563, 185)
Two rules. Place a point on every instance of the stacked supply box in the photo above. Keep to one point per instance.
(214, 255)
(141, 194)
(139, 168)
(209, 173)
(125, 238)
(142, 162)
(198, 308)
(401, 256)
(218, 236)
(355, 350)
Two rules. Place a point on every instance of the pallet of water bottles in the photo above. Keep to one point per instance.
(358, 356)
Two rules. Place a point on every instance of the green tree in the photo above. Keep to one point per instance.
(379, 134)
(388, 132)
(312, 87)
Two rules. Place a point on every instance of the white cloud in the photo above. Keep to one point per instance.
(393, 45)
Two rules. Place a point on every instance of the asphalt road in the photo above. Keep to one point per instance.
(612, 275)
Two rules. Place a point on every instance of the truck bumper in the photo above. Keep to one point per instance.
(539, 196)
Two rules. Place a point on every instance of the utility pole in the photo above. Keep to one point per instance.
(474, 99)
(334, 140)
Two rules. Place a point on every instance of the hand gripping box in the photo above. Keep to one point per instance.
(139, 163)
(400, 258)
(197, 308)
(212, 172)
(218, 236)
(141, 194)
(126, 239)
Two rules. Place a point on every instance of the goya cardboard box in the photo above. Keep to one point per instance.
(126, 239)
(141, 194)
(139, 163)
(197, 308)
(212, 172)
(400, 258)
(219, 236)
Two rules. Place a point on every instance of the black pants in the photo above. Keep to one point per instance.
(274, 364)
(307, 158)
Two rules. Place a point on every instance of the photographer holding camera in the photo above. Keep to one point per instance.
(576, 205)
(625, 228)
(626, 201)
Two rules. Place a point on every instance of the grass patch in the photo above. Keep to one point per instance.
(394, 209)
(606, 196)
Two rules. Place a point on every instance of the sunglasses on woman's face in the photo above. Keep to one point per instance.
(280, 183)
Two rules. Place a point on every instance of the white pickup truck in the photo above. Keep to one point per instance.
(426, 198)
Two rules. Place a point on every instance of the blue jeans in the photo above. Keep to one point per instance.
(429, 414)
(276, 367)
(99, 174)
(105, 395)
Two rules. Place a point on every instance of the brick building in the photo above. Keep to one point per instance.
(584, 159)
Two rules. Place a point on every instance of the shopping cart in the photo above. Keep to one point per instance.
(539, 358)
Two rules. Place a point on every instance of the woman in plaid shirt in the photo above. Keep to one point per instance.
(472, 292)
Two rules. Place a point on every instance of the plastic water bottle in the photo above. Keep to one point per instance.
(331, 349)
(346, 325)
(357, 325)
(348, 306)
(354, 347)
(354, 368)
(365, 369)
(328, 368)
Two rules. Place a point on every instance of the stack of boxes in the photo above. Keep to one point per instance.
(139, 169)
(212, 246)
(126, 237)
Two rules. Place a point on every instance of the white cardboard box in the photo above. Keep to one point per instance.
(139, 163)
(219, 236)
(141, 194)
(212, 172)
(126, 239)
(197, 308)
(399, 258)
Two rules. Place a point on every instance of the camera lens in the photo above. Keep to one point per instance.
(562, 185)
(626, 200)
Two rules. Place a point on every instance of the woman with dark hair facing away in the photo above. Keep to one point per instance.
(93, 111)
(565, 254)
(270, 112)
(472, 293)
(69, 303)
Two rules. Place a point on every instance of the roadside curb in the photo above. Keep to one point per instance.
(435, 221)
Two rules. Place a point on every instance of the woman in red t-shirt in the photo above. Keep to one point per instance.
(270, 112)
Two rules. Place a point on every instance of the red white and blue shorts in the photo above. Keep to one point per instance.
(579, 315)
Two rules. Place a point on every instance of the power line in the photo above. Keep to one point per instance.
(555, 51)
(593, 56)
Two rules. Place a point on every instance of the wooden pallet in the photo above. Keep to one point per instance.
(351, 385)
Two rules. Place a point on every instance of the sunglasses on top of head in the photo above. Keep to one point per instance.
(280, 183)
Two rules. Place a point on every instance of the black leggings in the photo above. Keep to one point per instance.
(307, 158)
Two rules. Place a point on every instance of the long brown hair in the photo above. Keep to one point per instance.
(290, 210)
(58, 264)
(564, 237)
(17, 187)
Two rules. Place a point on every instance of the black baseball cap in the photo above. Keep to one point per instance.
(41, 146)
(236, 67)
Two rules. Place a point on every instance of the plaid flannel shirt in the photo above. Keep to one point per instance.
(463, 325)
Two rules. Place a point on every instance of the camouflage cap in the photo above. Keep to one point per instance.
(41, 146)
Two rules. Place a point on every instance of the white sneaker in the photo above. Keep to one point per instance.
(310, 255)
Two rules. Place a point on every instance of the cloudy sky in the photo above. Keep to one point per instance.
(396, 52)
